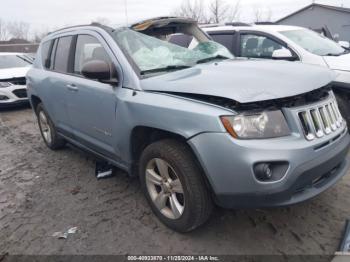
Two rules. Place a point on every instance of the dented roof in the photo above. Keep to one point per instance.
(159, 22)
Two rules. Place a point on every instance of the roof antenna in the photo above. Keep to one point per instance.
(126, 11)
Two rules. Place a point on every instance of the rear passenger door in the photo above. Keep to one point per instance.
(92, 104)
(54, 85)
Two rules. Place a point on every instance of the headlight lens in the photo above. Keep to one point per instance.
(4, 84)
(267, 124)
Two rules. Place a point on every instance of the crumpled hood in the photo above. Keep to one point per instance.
(338, 62)
(243, 80)
(13, 72)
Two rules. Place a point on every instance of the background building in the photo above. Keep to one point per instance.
(18, 45)
(317, 16)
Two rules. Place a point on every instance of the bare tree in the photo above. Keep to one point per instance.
(19, 30)
(218, 11)
(234, 12)
(258, 14)
(269, 14)
(262, 14)
(192, 9)
(38, 35)
(4, 34)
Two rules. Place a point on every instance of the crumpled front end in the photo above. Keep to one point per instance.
(278, 171)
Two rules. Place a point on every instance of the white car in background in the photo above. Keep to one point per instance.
(291, 43)
(13, 70)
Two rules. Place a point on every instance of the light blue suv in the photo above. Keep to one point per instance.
(196, 125)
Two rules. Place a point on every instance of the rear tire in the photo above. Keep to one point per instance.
(344, 106)
(180, 198)
(48, 130)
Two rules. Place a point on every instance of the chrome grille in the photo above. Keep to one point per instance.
(321, 120)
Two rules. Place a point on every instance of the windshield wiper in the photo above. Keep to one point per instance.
(164, 69)
(25, 59)
(332, 54)
(346, 51)
(208, 59)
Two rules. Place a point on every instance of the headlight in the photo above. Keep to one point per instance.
(267, 124)
(4, 84)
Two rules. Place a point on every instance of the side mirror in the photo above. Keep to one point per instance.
(336, 37)
(283, 54)
(344, 44)
(98, 70)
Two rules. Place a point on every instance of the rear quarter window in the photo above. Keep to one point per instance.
(45, 54)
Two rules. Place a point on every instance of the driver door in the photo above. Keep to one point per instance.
(91, 104)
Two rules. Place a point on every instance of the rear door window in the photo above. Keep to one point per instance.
(61, 63)
(224, 39)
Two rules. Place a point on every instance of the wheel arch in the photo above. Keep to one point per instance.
(35, 101)
(142, 136)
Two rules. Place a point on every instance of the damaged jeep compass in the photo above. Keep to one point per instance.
(198, 126)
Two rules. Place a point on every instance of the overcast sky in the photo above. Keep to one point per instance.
(51, 14)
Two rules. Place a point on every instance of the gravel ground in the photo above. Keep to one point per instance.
(42, 192)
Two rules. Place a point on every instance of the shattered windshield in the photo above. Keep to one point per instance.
(151, 54)
(314, 43)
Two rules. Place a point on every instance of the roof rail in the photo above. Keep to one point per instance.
(209, 25)
(238, 24)
(265, 23)
(74, 26)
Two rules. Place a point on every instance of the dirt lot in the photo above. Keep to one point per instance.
(42, 192)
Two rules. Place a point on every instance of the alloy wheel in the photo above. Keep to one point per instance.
(45, 127)
(165, 188)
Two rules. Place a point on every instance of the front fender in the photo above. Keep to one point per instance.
(181, 116)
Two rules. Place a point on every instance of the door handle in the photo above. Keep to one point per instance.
(72, 87)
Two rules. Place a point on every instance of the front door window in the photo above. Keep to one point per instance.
(256, 46)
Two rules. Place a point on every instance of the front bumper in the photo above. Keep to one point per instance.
(15, 95)
(228, 163)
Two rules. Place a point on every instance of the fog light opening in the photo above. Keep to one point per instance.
(270, 172)
(263, 172)
(3, 98)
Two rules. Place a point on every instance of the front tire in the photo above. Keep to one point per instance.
(48, 130)
(174, 186)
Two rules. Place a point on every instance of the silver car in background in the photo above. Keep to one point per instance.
(13, 70)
